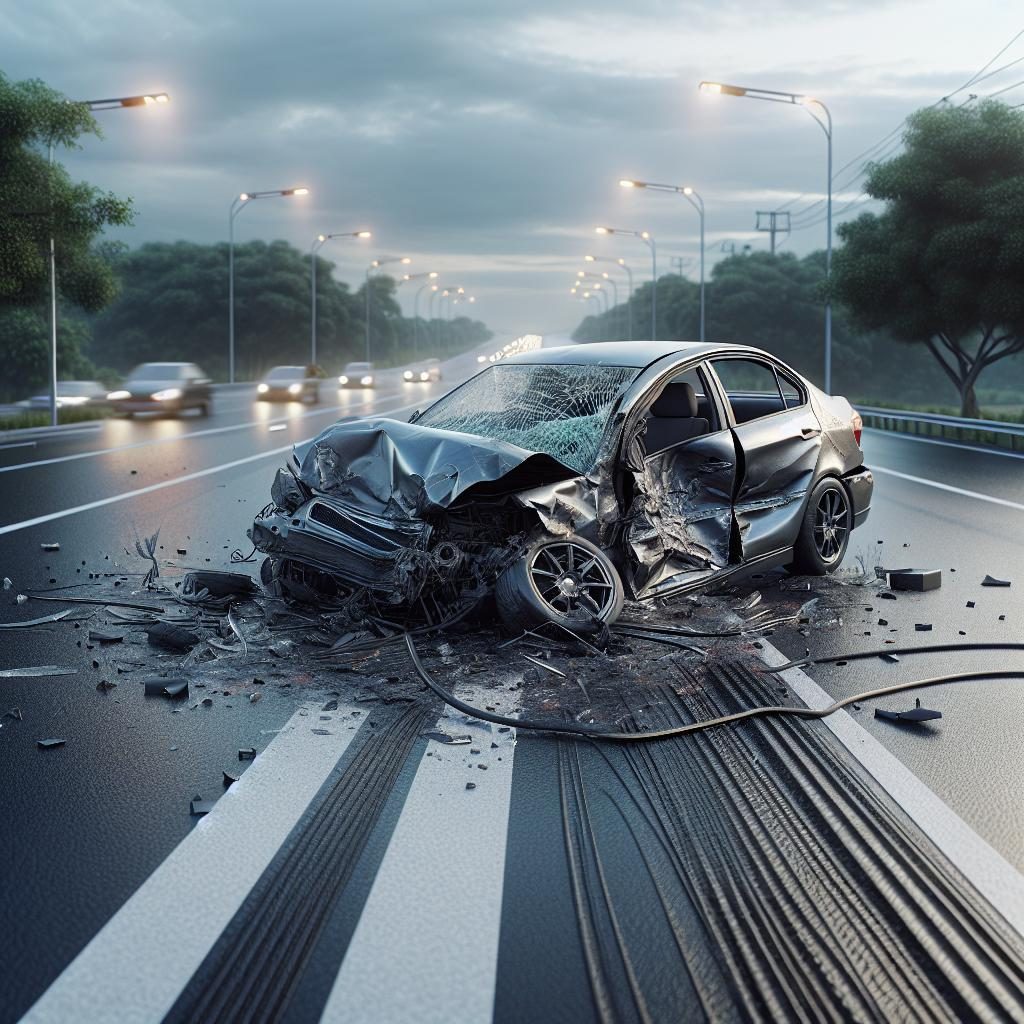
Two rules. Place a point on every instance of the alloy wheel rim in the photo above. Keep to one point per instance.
(831, 525)
(572, 580)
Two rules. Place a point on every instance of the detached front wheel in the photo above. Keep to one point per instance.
(566, 580)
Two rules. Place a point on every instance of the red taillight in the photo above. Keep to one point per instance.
(858, 426)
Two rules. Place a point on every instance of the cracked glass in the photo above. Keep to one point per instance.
(560, 410)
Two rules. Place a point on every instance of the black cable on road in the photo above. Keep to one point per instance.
(880, 652)
(599, 732)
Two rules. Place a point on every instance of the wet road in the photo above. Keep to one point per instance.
(87, 825)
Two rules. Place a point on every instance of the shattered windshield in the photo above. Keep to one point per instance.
(557, 409)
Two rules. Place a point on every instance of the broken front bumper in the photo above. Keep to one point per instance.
(355, 546)
(860, 485)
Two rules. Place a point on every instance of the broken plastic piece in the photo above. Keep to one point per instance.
(246, 753)
(50, 547)
(915, 714)
(891, 658)
(7, 583)
(105, 685)
(923, 627)
(104, 636)
(198, 806)
(172, 687)
(991, 581)
(443, 737)
(230, 778)
(914, 579)
(175, 638)
(48, 744)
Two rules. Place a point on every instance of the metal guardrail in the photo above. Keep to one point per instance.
(957, 428)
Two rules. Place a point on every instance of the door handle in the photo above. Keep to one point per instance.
(808, 432)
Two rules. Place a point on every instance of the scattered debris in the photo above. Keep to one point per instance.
(915, 714)
(230, 778)
(246, 753)
(149, 553)
(7, 583)
(104, 685)
(171, 687)
(452, 741)
(171, 636)
(923, 627)
(103, 636)
(991, 581)
(49, 744)
(970, 604)
(32, 671)
(198, 806)
(543, 664)
(331, 705)
(891, 658)
(20, 599)
(794, 585)
(54, 546)
(914, 579)
(470, 785)
(254, 697)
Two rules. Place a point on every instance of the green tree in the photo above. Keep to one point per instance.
(25, 344)
(943, 266)
(39, 202)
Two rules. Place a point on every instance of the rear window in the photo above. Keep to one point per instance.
(157, 371)
(286, 373)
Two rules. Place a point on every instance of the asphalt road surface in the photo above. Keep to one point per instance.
(359, 878)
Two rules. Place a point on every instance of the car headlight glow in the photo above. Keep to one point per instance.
(262, 389)
(294, 389)
(481, 359)
(116, 396)
(407, 375)
(73, 400)
(167, 394)
(366, 381)
(343, 379)
(424, 375)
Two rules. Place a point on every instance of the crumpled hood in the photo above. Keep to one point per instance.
(404, 469)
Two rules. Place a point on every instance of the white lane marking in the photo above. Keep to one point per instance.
(18, 444)
(986, 869)
(946, 444)
(139, 491)
(948, 487)
(332, 411)
(182, 908)
(426, 945)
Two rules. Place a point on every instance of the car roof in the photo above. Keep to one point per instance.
(619, 353)
(287, 366)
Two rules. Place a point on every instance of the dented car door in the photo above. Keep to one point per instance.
(779, 439)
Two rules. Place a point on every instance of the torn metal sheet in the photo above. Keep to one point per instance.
(36, 622)
(49, 744)
(914, 714)
(170, 687)
(991, 581)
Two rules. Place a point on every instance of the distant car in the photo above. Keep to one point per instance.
(71, 393)
(163, 387)
(357, 375)
(427, 371)
(565, 480)
(289, 384)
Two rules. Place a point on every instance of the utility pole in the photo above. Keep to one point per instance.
(774, 222)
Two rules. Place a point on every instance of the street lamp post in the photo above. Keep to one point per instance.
(376, 265)
(149, 99)
(237, 205)
(431, 276)
(629, 297)
(648, 240)
(317, 245)
(697, 203)
(807, 102)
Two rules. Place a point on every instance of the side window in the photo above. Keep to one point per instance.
(751, 387)
(792, 392)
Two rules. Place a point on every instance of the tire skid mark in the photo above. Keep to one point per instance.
(790, 886)
(252, 971)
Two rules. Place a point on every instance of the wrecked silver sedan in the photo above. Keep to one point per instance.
(559, 482)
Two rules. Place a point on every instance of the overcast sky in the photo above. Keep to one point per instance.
(484, 139)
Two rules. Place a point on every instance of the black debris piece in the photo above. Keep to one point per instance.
(883, 622)
(886, 596)
(207, 702)
(321, 732)
(914, 714)
(198, 806)
(991, 581)
(914, 579)
(470, 785)
(230, 778)
(105, 685)
(443, 737)
(103, 636)
(923, 627)
(182, 551)
(970, 604)
(49, 744)
(331, 705)
(171, 636)
(175, 686)
(246, 753)
(794, 585)
(891, 658)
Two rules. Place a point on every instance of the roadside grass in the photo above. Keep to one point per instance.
(41, 418)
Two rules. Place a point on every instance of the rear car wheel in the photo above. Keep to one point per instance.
(825, 532)
(566, 580)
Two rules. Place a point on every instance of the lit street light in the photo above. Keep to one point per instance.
(648, 240)
(237, 205)
(376, 265)
(697, 203)
(629, 277)
(92, 105)
(431, 276)
(317, 245)
(807, 102)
